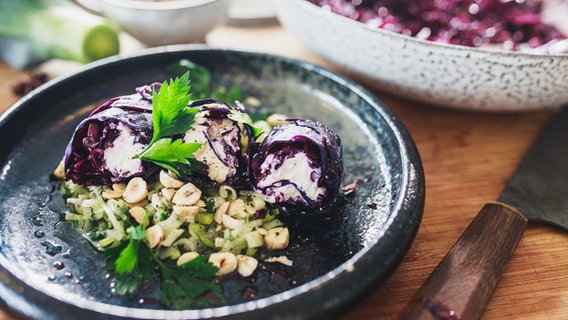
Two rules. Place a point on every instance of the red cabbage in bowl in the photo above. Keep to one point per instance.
(298, 167)
(101, 149)
(516, 25)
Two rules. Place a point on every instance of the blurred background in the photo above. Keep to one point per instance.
(44, 39)
(451, 53)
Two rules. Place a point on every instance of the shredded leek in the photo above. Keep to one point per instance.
(105, 221)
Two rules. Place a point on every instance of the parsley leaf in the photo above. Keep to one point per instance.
(128, 258)
(170, 153)
(168, 150)
(200, 78)
(245, 119)
(182, 286)
(125, 259)
(170, 114)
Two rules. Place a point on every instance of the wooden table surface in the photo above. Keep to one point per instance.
(467, 157)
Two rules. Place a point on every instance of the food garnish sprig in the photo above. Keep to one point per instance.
(171, 117)
(133, 262)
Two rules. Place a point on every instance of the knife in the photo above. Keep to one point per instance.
(462, 284)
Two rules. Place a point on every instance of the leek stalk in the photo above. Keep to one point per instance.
(33, 31)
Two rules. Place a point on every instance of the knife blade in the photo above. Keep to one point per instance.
(462, 284)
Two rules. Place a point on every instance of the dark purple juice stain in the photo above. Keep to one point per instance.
(58, 265)
(37, 221)
(249, 292)
(51, 248)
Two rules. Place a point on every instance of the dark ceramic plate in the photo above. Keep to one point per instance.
(49, 271)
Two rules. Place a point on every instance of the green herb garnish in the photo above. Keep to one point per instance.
(200, 78)
(183, 285)
(170, 154)
(245, 119)
(171, 116)
(134, 264)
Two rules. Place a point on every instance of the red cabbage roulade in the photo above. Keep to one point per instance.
(222, 150)
(298, 167)
(101, 149)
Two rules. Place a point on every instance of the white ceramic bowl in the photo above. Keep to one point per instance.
(434, 73)
(157, 23)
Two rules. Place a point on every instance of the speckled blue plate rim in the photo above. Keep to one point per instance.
(333, 292)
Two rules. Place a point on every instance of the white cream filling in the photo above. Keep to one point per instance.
(217, 170)
(296, 169)
(118, 158)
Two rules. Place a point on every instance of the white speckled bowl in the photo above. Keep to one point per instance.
(446, 75)
(158, 23)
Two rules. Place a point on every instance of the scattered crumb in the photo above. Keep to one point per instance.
(281, 259)
(28, 82)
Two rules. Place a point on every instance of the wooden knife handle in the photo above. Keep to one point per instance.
(462, 284)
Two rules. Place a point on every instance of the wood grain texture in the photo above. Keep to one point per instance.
(463, 283)
(467, 157)
(8, 78)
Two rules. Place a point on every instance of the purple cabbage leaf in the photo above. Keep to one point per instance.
(298, 167)
(103, 145)
(223, 140)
